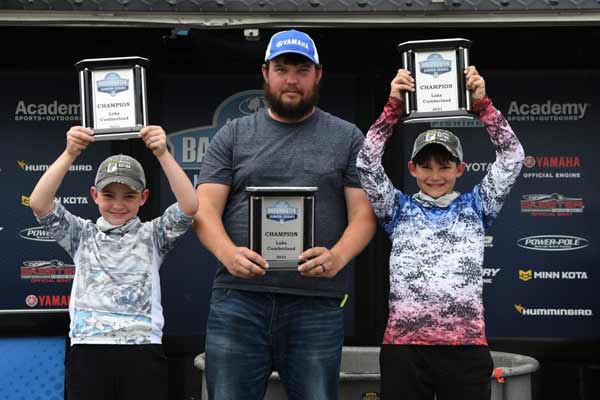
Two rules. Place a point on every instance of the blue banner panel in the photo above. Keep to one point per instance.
(540, 265)
(37, 109)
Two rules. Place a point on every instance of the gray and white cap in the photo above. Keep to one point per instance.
(438, 136)
(121, 169)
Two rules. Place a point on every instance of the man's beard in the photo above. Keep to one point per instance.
(297, 111)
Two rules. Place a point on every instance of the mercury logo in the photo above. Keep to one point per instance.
(113, 84)
(547, 111)
(553, 243)
(435, 65)
(282, 211)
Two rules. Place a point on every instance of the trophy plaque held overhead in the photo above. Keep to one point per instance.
(282, 223)
(440, 88)
(113, 96)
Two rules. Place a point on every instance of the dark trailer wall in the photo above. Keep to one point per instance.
(545, 80)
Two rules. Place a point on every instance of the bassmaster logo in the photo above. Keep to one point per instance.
(43, 167)
(553, 243)
(529, 274)
(37, 234)
(282, 211)
(551, 205)
(48, 112)
(113, 84)
(189, 145)
(548, 111)
(47, 301)
(552, 162)
(435, 65)
(53, 271)
(554, 312)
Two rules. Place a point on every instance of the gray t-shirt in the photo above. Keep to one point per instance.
(259, 151)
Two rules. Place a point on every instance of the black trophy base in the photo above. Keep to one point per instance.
(415, 117)
(279, 266)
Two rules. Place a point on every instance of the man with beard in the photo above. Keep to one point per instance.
(262, 320)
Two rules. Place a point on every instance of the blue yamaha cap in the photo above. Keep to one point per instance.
(292, 41)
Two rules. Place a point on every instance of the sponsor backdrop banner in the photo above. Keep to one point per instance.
(193, 109)
(539, 271)
(541, 254)
(37, 109)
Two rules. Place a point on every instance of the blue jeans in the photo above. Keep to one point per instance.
(250, 334)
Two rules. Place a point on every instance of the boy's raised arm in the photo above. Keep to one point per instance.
(42, 197)
(156, 140)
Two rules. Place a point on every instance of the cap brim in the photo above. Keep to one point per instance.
(135, 185)
(450, 150)
(275, 55)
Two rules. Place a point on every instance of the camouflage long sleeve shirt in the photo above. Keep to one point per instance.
(115, 298)
(436, 259)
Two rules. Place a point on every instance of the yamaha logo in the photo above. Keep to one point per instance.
(435, 65)
(553, 243)
(31, 300)
(113, 84)
(282, 211)
(38, 234)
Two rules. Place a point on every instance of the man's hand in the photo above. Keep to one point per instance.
(401, 83)
(320, 262)
(155, 139)
(78, 139)
(475, 83)
(245, 263)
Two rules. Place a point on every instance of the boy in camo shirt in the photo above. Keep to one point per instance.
(435, 341)
(115, 309)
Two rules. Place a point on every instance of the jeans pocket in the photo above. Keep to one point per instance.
(326, 303)
(219, 295)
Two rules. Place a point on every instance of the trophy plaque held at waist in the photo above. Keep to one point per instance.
(281, 225)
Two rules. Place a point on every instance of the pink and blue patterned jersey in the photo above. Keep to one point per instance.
(436, 259)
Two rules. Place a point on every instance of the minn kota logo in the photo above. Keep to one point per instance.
(526, 275)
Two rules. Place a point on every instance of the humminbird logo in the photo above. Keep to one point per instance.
(554, 204)
(43, 167)
(553, 243)
(282, 211)
(435, 65)
(547, 111)
(113, 84)
(529, 274)
(554, 312)
(38, 234)
(53, 111)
